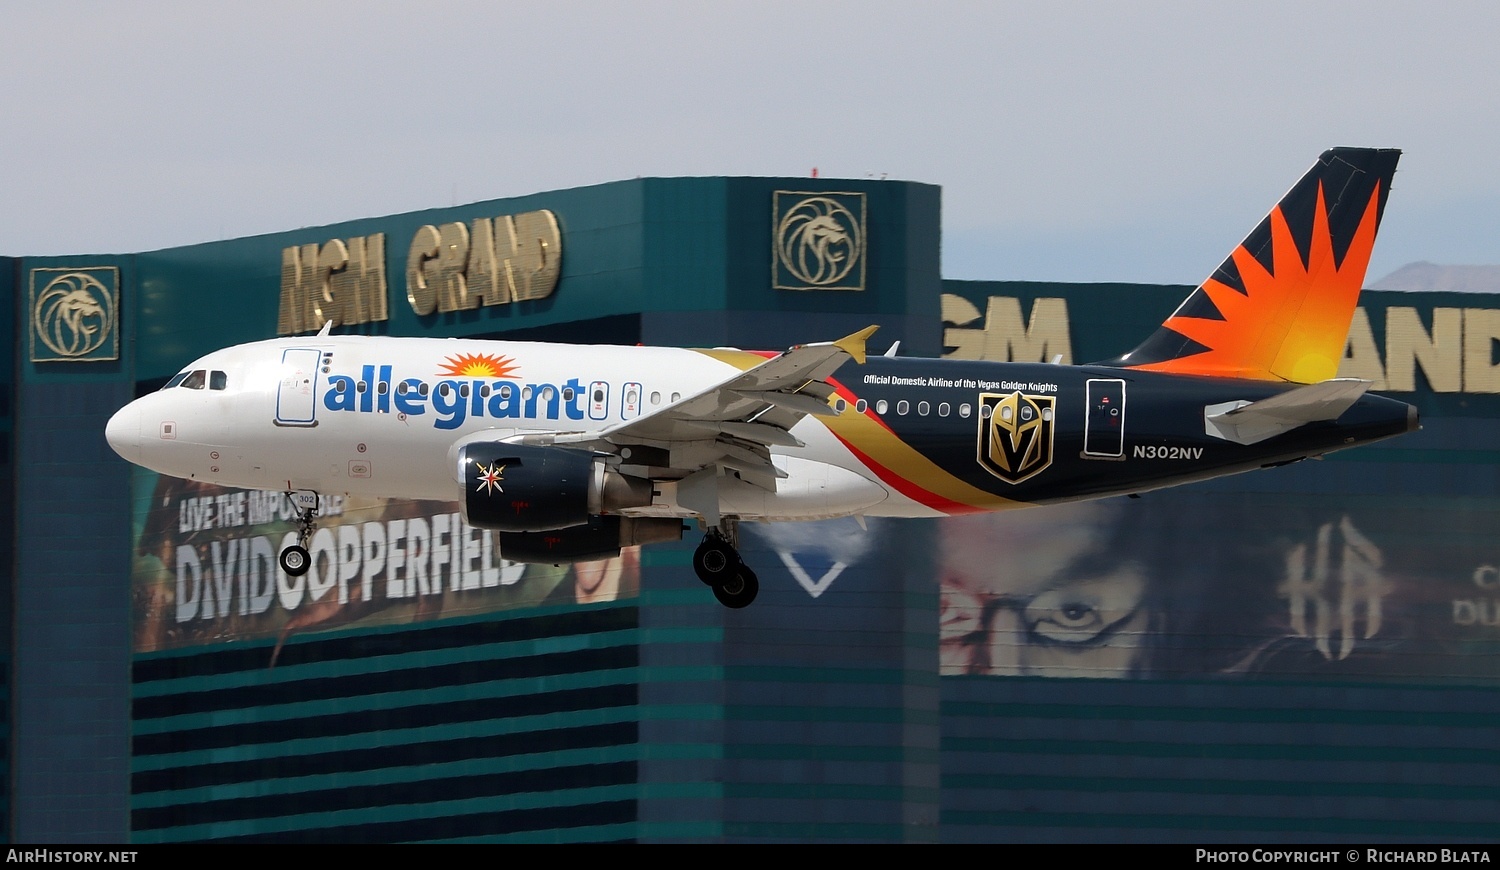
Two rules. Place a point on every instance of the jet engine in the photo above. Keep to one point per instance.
(522, 488)
(599, 538)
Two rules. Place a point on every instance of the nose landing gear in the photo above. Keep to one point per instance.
(295, 560)
(718, 564)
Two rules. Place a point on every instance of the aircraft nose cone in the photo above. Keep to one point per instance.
(123, 432)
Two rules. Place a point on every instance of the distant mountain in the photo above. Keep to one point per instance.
(1431, 276)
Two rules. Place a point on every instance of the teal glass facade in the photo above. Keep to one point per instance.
(1301, 653)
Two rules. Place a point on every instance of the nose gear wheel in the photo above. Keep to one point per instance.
(295, 560)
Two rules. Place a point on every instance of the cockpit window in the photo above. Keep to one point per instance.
(176, 379)
(194, 380)
(217, 380)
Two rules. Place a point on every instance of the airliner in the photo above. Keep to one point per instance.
(572, 452)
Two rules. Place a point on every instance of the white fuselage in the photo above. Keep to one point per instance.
(385, 417)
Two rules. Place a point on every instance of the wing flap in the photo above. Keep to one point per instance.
(800, 403)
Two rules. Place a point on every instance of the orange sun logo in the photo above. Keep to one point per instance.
(1292, 320)
(479, 365)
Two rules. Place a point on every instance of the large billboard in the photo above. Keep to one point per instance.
(205, 569)
(1200, 583)
(1376, 564)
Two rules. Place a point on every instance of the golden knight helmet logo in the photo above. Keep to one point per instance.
(1015, 434)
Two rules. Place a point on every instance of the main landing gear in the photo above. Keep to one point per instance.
(295, 560)
(718, 564)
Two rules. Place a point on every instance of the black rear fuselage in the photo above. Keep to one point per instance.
(1045, 433)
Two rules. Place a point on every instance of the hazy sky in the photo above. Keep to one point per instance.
(1073, 141)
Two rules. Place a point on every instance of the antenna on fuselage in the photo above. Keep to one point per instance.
(326, 330)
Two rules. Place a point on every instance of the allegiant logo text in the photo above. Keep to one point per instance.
(453, 400)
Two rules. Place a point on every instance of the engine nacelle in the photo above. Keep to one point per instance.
(521, 488)
(599, 538)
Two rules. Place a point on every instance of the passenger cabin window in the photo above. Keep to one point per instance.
(902, 407)
(882, 406)
(217, 380)
(195, 380)
(923, 408)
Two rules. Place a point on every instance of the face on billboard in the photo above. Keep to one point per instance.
(1039, 593)
(1226, 584)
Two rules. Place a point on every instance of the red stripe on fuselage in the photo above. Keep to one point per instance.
(895, 481)
(907, 487)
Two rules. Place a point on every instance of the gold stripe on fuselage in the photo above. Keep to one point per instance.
(891, 459)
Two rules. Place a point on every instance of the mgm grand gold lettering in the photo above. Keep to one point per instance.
(449, 267)
(1004, 335)
(453, 266)
(1015, 434)
(342, 280)
(1456, 355)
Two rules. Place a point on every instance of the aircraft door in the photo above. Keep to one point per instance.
(1104, 430)
(297, 394)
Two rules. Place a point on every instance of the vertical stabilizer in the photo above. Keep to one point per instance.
(1279, 307)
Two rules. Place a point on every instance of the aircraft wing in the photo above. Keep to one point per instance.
(733, 424)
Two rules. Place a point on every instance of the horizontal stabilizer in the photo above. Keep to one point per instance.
(1252, 422)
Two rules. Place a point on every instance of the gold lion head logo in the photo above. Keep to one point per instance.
(819, 241)
(74, 314)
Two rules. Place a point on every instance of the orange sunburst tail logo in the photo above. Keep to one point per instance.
(1279, 307)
